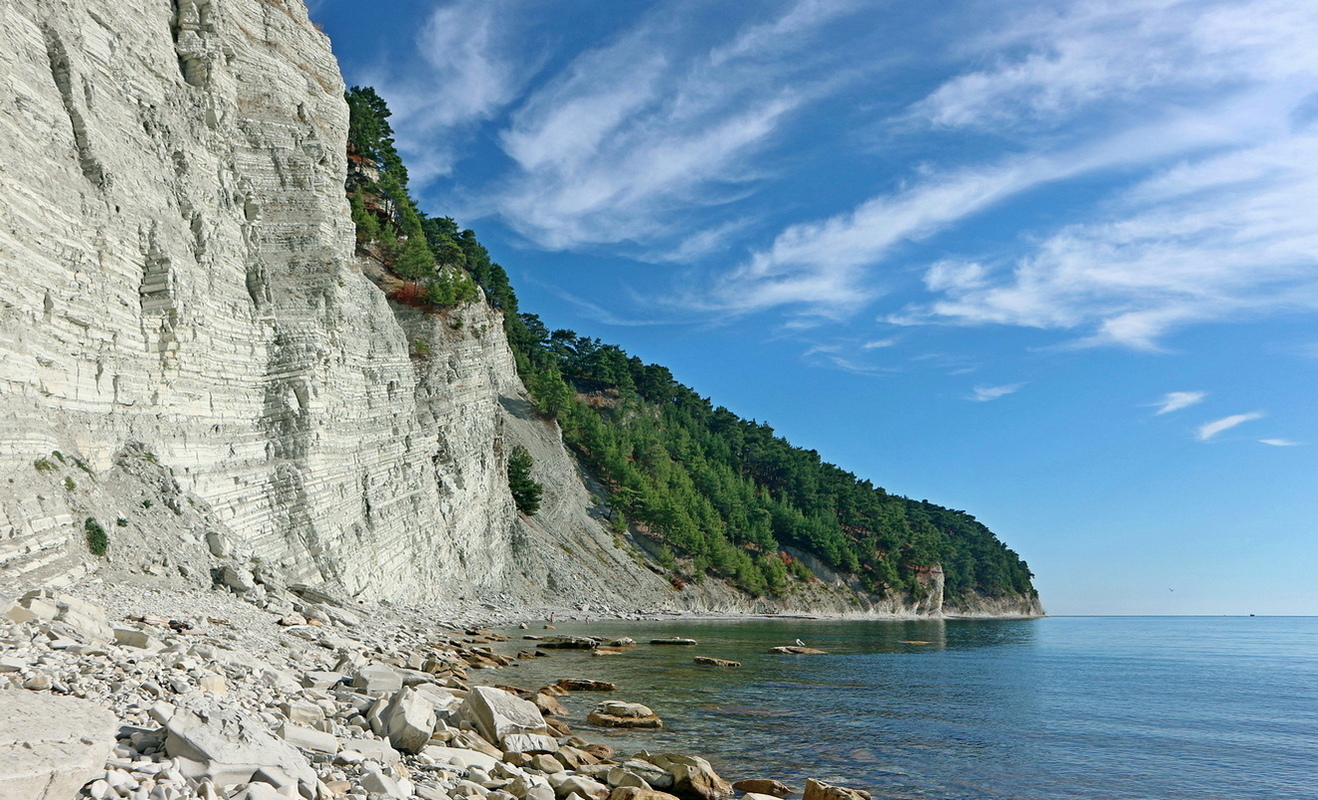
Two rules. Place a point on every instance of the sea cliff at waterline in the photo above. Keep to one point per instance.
(202, 380)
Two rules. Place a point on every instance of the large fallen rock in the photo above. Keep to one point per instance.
(377, 679)
(613, 714)
(229, 747)
(497, 714)
(818, 790)
(409, 720)
(81, 619)
(50, 745)
(693, 777)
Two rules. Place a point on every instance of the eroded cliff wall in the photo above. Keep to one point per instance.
(179, 273)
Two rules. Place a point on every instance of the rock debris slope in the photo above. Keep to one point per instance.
(182, 321)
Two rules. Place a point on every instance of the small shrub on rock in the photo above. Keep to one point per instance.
(98, 541)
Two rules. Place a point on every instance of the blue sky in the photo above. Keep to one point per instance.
(1052, 263)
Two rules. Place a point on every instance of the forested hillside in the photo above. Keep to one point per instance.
(714, 493)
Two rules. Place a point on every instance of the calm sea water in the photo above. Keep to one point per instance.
(1065, 707)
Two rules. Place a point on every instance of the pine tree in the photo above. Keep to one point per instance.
(525, 490)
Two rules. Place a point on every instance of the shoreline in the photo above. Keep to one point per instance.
(345, 697)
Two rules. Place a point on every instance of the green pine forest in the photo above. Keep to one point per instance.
(714, 494)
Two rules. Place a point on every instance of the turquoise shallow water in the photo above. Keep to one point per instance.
(1063, 707)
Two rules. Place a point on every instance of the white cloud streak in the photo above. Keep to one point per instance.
(468, 73)
(1209, 430)
(1219, 229)
(877, 343)
(1175, 401)
(1279, 442)
(638, 131)
(1214, 236)
(983, 394)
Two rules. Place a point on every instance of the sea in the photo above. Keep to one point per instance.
(1090, 708)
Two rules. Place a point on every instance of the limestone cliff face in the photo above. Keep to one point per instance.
(191, 356)
(178, 272)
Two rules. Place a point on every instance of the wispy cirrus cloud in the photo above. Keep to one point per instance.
(983, 394)
(1215, 234)
(1209, 430)
(1209, 102)
(472, 64)
(1227, 237)
(1279, 442)
(634, 134)
(1175, 401)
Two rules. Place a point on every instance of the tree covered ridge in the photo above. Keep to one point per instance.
(717, 494)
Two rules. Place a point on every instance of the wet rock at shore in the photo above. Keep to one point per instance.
(708, 661)
(763, 786)
(693, 777)
(639, 793)
(614, 714)
(568, 643)
(529, 743)
(655, 776)
(549, 706)
(50, 746)
(583, 787)
(818, 790)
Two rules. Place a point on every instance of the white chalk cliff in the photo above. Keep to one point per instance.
(181, 310)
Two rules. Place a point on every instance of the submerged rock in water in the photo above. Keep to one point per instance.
(675, 640)
(587, 685)
(568, 643)
(763, 786)
(708, 661)
(794, 650)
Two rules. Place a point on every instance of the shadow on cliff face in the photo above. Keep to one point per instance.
(522, 409)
